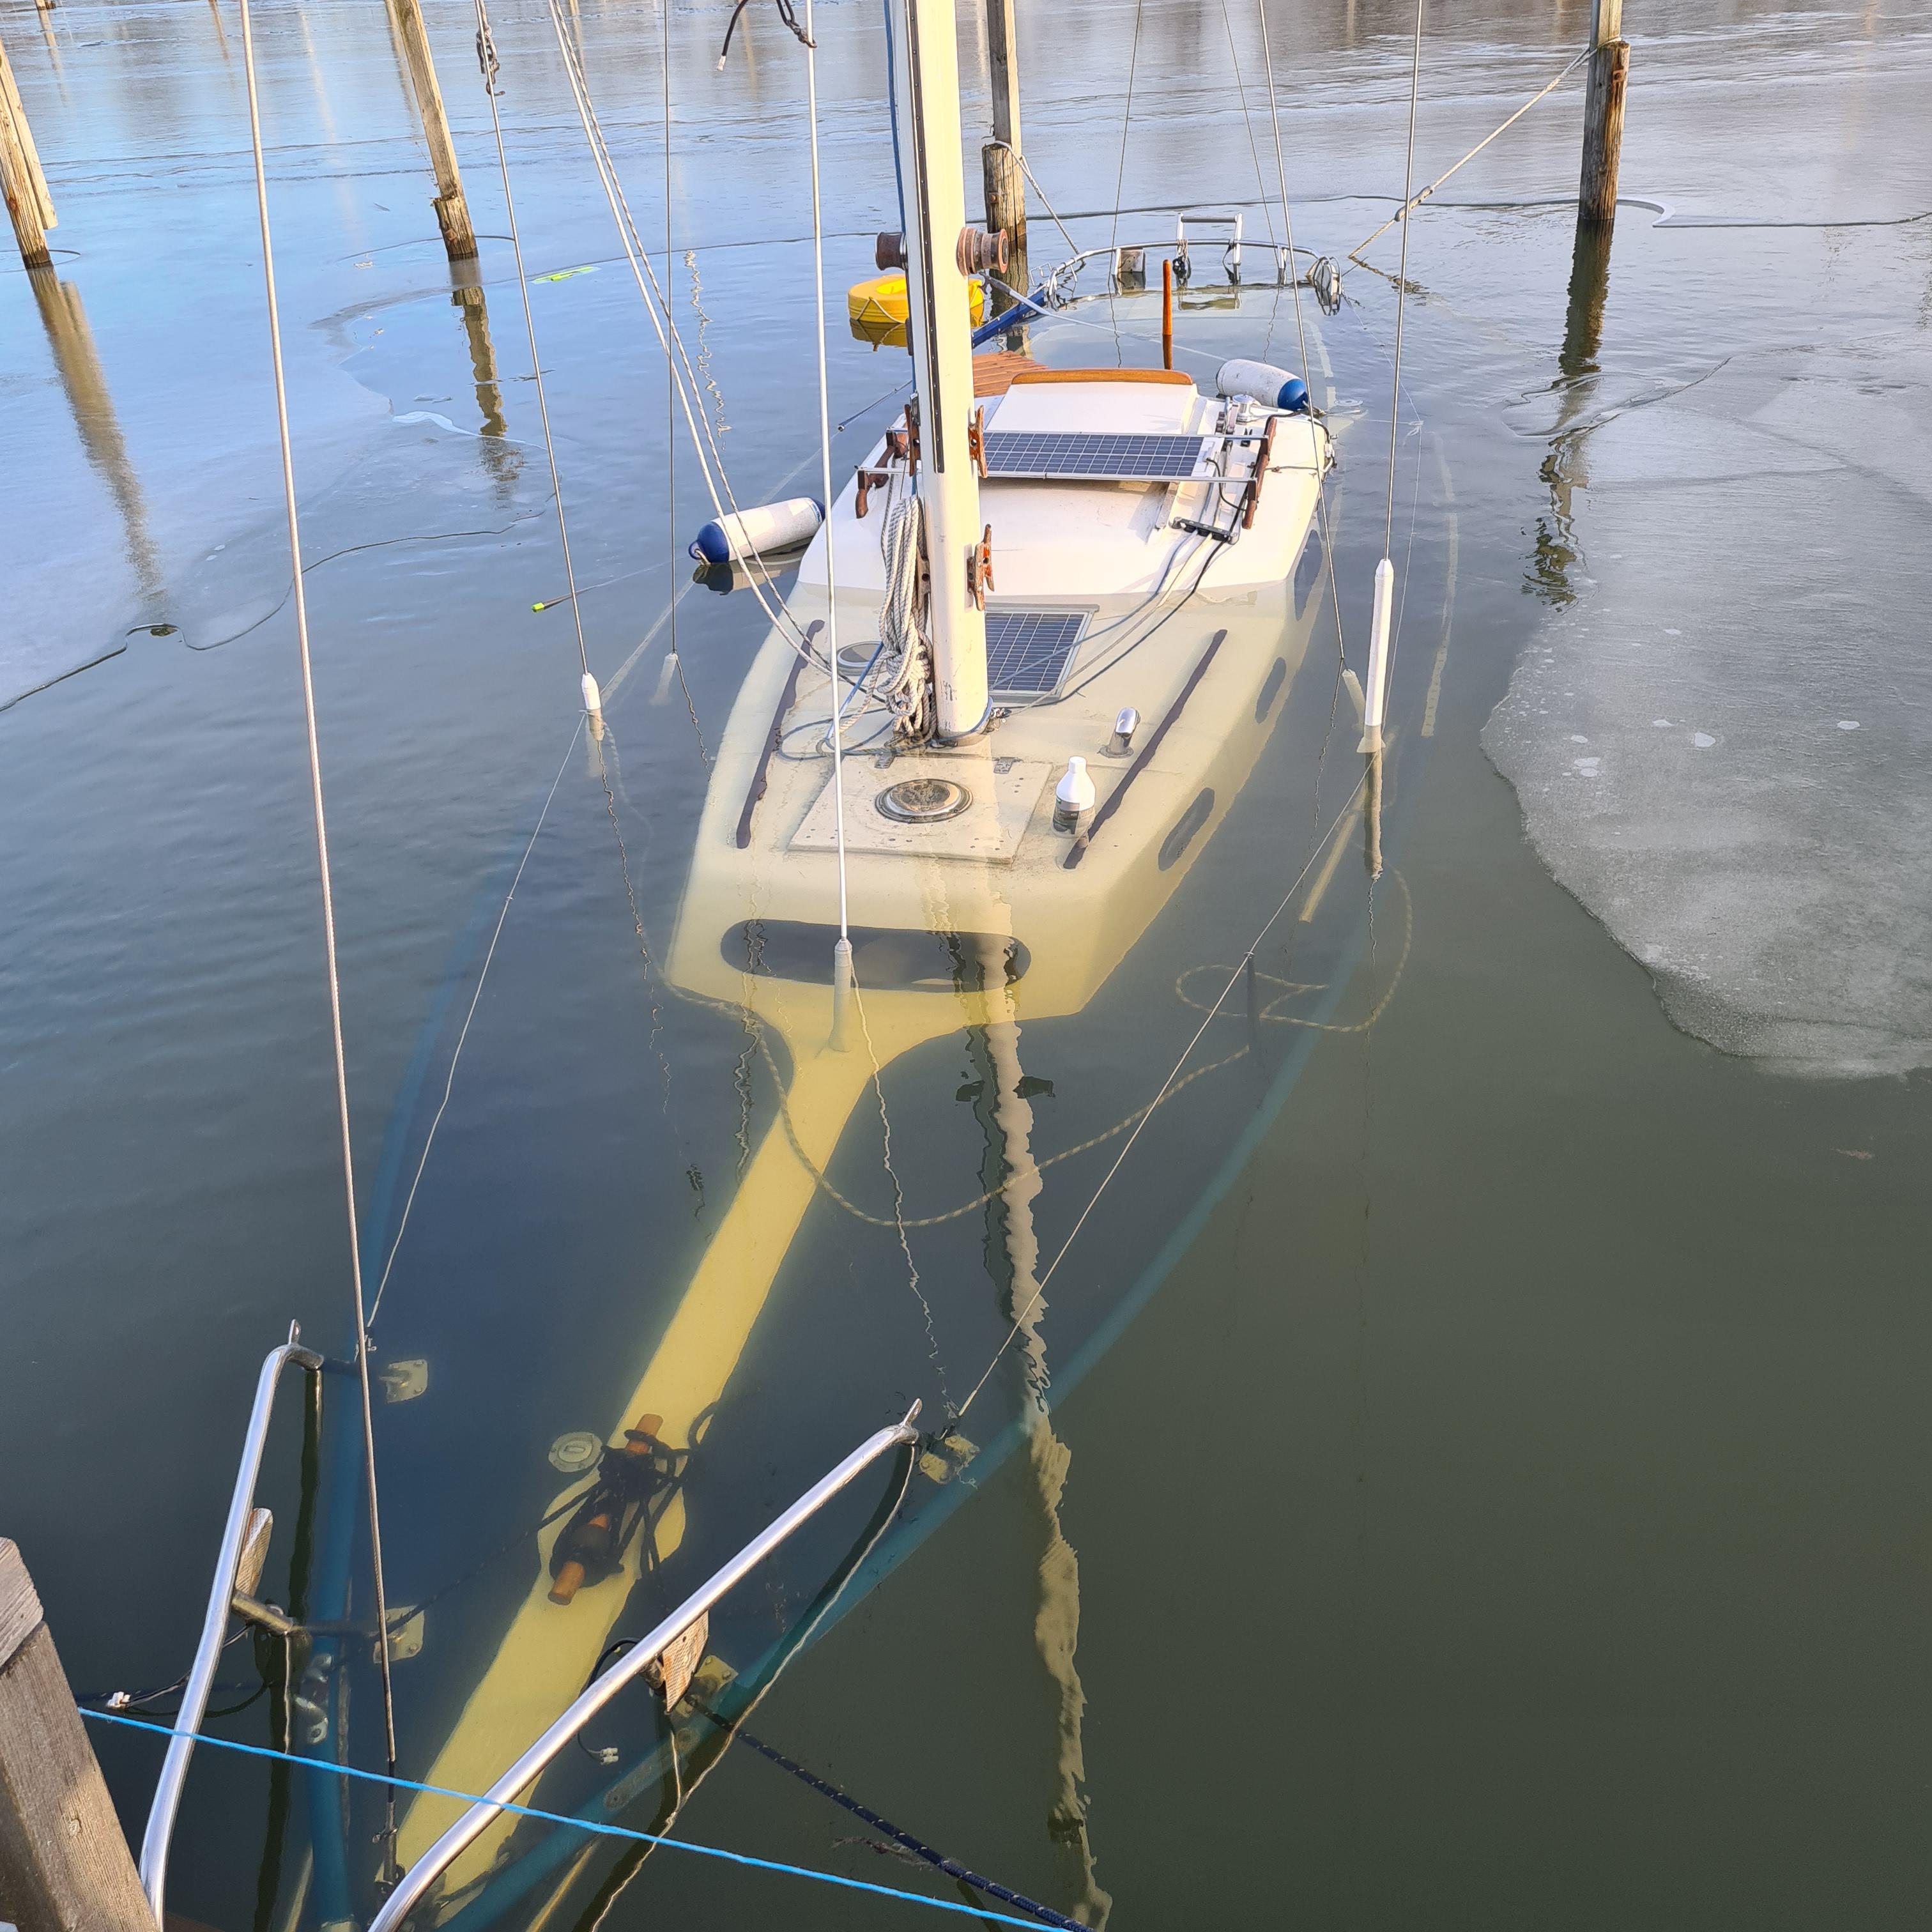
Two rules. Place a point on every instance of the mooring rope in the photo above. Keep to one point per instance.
(328, 926)
(1410, 203)
(597, 1825)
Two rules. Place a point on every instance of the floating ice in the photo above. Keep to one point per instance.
(1781, 895)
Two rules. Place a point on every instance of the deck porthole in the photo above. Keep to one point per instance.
(1189, 822)
(923, 801)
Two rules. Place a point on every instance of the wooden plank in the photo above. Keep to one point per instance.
(19, 1603)
(65, 1866)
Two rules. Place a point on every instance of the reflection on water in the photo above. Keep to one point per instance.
(503, 460)
(1546, 1220)
(1566, 468)
(85, 382)
(1013, 1183)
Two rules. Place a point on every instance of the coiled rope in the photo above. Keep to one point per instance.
(327, 929)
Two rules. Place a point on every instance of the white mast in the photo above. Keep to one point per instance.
(939, 326)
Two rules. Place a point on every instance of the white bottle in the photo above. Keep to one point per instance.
(1072, 797)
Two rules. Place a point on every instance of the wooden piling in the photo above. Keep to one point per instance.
(65, 1866)
(28, 203)
(1006, 213)
(1603, 114)
(452, 210)
(1000, 159)
(1167, 312)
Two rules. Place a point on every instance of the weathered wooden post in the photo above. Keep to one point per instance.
(1604, 114)
(1000, 159)
(452, 211)
(65, 1866)
(21, 180)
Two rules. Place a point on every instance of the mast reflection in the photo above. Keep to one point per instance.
(1005, 1107)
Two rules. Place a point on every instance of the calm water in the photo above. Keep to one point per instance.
(1508, 1510)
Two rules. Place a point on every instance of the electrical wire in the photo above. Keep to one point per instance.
(328, 924)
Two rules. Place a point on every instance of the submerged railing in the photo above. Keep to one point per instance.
(434, 1862)
(155, 1840)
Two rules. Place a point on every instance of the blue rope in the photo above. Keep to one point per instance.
(582, 1824)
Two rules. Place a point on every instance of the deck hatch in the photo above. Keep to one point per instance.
(1082, 456)
(1026, 651)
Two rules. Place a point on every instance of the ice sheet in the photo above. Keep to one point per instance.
(1724, 747)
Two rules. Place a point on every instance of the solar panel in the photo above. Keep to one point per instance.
(1026, 651)
(1115, 459)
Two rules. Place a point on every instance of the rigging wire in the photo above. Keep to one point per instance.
(449, 1081)
(670, 368)
(760, 578)
(328, 929)
(486, 58)
(842, 952)
(1234, 979)
(1402, 278)
(1247, 121)
(1121, 172)
(1300, 323)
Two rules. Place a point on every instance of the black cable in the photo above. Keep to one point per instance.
(785, 14)
(918, 1847)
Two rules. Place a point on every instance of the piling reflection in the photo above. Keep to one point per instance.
(1005, 1107)
(502, 458)
(85, 383)
(1566, 469)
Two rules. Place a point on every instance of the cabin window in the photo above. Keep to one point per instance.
(1271, 689)
(1189, 822)
(1308, 571)
(884, 959)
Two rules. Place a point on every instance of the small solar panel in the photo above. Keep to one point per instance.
(1026, 651)
(1112, 459)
